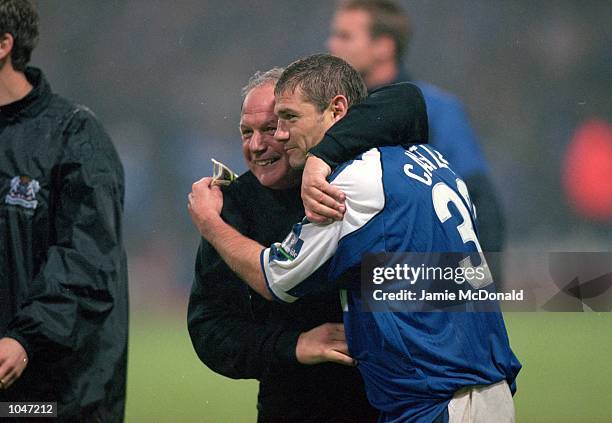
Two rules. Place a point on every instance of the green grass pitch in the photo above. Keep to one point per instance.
(566, 376)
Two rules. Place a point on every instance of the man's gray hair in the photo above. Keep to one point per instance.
(262, 78)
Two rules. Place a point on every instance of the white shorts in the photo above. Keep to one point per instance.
(482, 404)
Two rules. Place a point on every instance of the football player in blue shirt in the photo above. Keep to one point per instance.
(417, 366)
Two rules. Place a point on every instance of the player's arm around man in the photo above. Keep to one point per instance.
(206, 201)
(391, 115)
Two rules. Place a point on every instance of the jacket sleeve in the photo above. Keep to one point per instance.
(77, 285)
(491, 223)
(392, 115)
(223, 330)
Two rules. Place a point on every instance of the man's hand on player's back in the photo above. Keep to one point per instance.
(324, 343)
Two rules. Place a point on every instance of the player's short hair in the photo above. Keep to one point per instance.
(260, 79)
(19, 18)
(387, 18)
(321, 77)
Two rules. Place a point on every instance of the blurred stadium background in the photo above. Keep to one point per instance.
(165, 77)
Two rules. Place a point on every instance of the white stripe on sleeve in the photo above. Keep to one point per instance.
(286, 265)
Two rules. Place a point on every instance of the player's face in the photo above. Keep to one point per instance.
(301, 125)
(350, 39)
(265, 156)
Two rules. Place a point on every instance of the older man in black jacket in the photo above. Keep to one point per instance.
(295, 351)
(63, 276)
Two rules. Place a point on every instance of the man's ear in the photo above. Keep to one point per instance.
(6, 45)
(339, 107)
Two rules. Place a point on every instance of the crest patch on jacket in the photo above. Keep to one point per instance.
(23, 192)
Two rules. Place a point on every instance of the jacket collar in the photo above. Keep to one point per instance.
(34, 102)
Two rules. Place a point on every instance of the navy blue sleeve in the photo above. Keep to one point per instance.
(392, 115)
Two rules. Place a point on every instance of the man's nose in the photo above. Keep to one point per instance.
(257, 144)
(282, 133)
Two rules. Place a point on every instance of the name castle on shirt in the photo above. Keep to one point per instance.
(427, 165)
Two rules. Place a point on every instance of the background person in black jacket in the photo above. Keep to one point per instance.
(63, 276)
(236, 332)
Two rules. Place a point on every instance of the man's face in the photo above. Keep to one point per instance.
(301, 125)
(350, 39)
(264, 155)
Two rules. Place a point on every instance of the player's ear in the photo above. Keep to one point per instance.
(339, 107)
(6, 45)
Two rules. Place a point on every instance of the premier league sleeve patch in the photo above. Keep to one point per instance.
(290, 248)
(23, 192)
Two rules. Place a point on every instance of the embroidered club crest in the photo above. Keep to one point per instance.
(23, 192)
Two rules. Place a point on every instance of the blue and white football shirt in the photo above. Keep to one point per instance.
(398, 200)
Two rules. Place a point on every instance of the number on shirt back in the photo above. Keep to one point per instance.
(442, 195)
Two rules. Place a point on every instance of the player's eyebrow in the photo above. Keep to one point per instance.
(283, 111)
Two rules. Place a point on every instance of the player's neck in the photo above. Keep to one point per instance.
(13, 85)
(382, 74)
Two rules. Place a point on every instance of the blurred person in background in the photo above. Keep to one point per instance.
(373, 36)
(588, 162)
(63, 273)
(295, 351)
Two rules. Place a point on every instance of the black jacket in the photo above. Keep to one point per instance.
(237, 333)
(63, 274)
